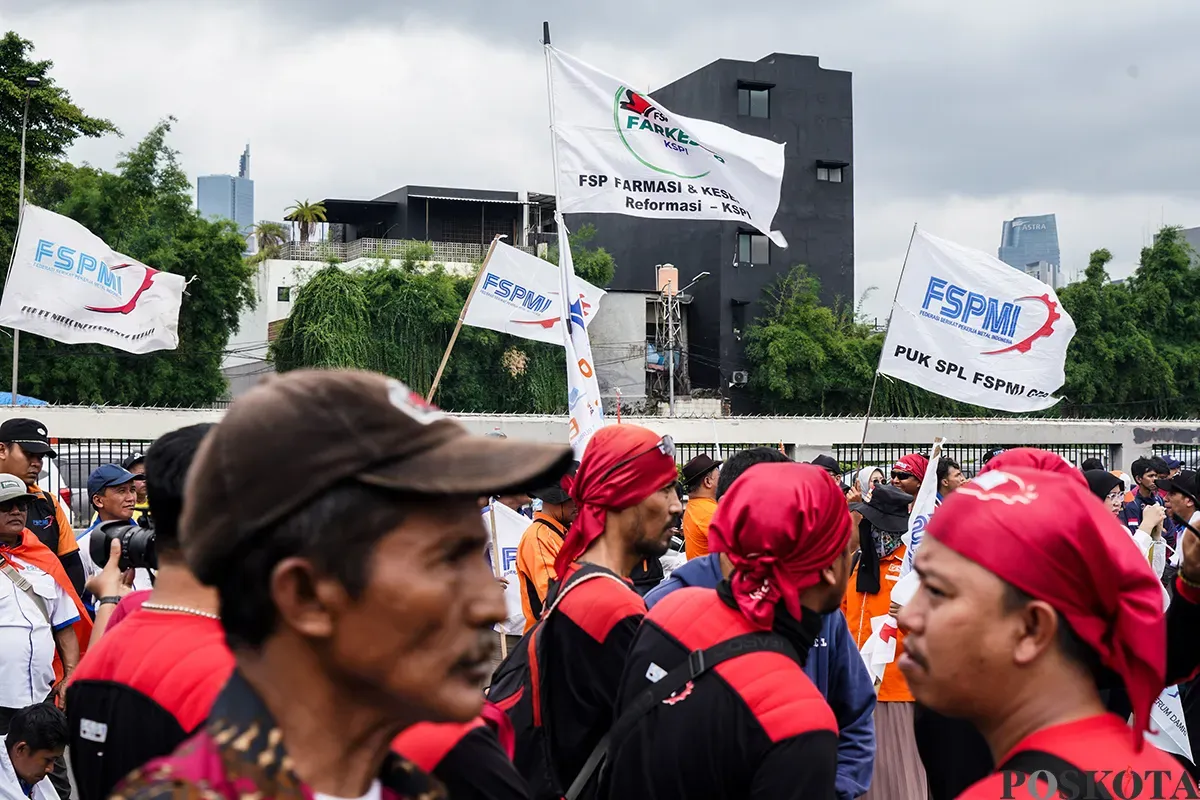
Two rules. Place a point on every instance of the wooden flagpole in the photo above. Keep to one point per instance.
(437, 378)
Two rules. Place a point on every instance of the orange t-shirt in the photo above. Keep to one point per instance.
(696, 520)
(860, 607)
(536, 553)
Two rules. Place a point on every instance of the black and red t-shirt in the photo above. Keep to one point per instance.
(587, 642)
(754, 726)
(466, 758)
(1100, 746)
(140, 692)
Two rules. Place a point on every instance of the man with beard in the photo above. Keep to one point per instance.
(625, 492)
(337, 515)
(1012, 631)
(758, 728)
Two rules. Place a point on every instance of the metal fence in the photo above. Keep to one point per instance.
(969, 457)
(66, 476)
(685, 452)
(1189, 454)
(395, 249)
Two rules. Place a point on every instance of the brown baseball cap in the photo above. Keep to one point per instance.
(297, 435)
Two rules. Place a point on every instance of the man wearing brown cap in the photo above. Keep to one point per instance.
(337, 516)
(700, 482)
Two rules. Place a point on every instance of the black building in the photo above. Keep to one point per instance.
(443, 215)
(786, 98)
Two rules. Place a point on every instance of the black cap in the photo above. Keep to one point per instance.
(827, 463)
(556, 494)
(29, 433)
(1184, 483)
(136, 458)
(697, 468)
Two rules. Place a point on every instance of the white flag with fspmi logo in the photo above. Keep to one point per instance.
(967, 326)
(621, 152)
(521, 294)
(66, 284)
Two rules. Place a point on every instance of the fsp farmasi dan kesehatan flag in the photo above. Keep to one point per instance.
(620, 152)
(68, 285)
(967, 326)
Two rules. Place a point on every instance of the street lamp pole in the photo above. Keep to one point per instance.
(30, 83)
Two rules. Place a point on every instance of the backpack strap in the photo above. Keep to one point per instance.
(587, 572)
(698, 662)
(1030, 762)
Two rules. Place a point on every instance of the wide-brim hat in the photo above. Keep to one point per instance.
(887, 509)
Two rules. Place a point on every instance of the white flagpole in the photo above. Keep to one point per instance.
(875, 382)
(563, 235)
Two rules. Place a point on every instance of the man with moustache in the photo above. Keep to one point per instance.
(337, 515)
(758, 728)
(625, 493)
(1013, 631)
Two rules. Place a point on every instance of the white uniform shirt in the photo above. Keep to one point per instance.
(26, 639)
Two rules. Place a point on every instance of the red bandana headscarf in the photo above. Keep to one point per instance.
(1033, 458)
(601, 485)
(1047, 535)
(913, 464)
(780, 525)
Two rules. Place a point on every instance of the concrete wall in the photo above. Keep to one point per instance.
(809, 436)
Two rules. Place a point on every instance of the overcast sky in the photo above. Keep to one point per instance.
(965, 115)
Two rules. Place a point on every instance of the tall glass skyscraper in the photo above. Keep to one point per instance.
(1031, 245)
(227, 196)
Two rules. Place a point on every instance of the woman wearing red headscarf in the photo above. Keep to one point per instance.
(758, 728)
(1012, 631)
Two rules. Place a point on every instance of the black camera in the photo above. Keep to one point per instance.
(137, 545)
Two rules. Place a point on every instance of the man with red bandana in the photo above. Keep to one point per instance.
(625, 494)
(1013, 630)
(954, 754)
(909, 473)
(758, 728)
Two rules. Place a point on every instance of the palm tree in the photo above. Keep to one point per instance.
(270, 237)
(306, 215)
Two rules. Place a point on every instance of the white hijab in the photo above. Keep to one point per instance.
(863, 481)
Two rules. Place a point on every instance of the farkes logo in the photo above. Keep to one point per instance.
(649, 135)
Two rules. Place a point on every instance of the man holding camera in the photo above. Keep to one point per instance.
(146, 712)
(112, 490)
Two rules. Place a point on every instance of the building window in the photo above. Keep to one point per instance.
(283, 294)
(831, 174)
(754, 249)
(754, 102)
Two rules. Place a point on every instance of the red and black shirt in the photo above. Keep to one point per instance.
(587, 642)
(466, 758)
(140, 692)
(754, 726)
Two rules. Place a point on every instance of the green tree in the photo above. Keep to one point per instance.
(306, 215)
(54, 124)
(144, 210)
(329, 327)
(594, 264)
(270, 237)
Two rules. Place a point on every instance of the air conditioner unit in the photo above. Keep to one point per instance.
(740, 377)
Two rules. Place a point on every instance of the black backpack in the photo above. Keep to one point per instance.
(517, 688)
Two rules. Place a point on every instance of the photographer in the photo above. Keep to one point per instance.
(151, 679)
(113, 493)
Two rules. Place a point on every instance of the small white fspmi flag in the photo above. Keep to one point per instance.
(509, 527)
(66, 284)
(521, 294)
(969, 327)
(619, 152)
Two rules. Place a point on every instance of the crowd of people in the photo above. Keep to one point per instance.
(317, 620)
